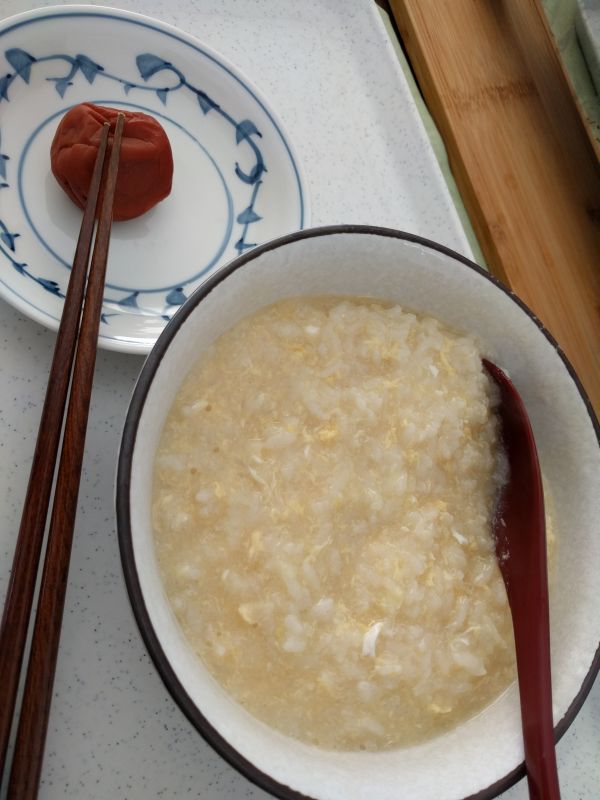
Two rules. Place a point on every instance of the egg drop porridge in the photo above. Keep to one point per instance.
(324, 489)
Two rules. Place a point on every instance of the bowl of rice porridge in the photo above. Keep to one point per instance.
(305, 493)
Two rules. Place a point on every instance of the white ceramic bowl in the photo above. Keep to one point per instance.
(484, 755)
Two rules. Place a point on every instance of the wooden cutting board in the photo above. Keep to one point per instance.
(522, 155)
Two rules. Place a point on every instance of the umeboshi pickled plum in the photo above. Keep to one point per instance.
(145, 166)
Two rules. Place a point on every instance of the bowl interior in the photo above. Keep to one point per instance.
(486, 749)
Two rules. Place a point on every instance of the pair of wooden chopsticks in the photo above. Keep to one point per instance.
(76, 341)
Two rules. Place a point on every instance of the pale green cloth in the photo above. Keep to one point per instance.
(561, 15)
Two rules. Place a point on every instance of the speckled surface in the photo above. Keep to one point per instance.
(114, 730)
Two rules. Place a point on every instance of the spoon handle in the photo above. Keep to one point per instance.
(532, 643)
(520, 533)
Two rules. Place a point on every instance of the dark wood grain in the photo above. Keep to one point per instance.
(21, 587)
(35, 709)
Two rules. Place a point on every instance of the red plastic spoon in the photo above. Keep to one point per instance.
(520, 535)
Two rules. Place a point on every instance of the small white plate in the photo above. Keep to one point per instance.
(236, 182)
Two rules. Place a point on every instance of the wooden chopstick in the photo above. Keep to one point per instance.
(35, 708)
(21, 587)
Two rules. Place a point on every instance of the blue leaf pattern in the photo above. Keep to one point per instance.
(162, 95)
(130, 301)
(176, 297)
(5, 82)
(242, 245)
(61, 85)
(51, 286)
(20, 61)
(248, 216)
(89, 68)
(205, 102)
(245, 129)
(149, 65)
(8, 238)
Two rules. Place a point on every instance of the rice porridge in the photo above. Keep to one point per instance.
(323, 496)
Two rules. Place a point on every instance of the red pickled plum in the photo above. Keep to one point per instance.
(146, 163)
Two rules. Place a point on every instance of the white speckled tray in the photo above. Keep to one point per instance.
(330, 73)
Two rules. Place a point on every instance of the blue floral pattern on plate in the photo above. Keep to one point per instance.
(246, 164)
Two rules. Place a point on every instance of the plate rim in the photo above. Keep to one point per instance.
(8, 24)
